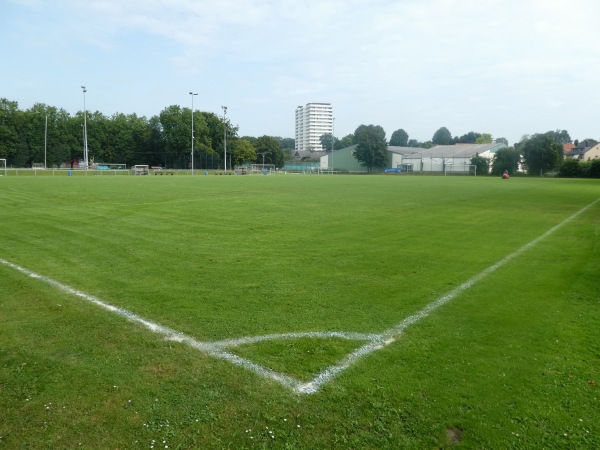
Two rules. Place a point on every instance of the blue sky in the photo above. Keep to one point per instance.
(505, 67)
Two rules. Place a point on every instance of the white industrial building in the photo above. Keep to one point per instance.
(313, 121)
(438, 159)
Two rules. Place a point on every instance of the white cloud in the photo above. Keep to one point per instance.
(512, 64)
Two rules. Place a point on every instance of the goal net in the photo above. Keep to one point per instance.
(460, 169)
(266, 169)
(2, 167)
(141, 170)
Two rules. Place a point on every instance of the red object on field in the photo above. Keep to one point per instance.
(505, 176)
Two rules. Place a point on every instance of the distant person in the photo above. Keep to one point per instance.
(505, 175)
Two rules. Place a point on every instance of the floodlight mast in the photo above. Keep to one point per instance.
(192, 94)
(332, 142)
(225, 135)
(85, 145)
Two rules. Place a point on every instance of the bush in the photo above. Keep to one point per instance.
(570, 168)
(594, 169)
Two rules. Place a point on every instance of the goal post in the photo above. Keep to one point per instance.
(266, 169)
(141, 169)
(3, 167)
(460, 169)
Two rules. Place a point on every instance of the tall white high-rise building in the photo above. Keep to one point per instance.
(313, 121)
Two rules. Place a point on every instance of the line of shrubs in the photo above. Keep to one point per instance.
(572, 168)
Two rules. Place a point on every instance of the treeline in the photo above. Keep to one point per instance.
(538, 154)
(46, 133)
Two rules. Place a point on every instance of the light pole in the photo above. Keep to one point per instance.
(46, 142)
(192, 94)
(85, 146)
(332, 142)
(225, 134)
(263, 155)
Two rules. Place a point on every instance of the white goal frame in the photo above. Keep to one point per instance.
(262, 168)
(3, 161)
(141, 169)
(460, 169)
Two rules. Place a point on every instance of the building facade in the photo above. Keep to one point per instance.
(438, 159)
(313, 121)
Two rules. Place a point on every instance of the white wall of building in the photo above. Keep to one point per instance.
(312, 121)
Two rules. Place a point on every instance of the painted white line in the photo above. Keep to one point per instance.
(216, 349)
(390, 336)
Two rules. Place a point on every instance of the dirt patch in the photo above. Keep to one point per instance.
(454, 435)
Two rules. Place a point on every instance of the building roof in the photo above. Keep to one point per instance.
(579, 152)
(305, 154)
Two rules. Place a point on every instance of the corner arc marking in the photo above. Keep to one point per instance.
(374, 341)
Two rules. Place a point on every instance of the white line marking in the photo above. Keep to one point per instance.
(374, 341)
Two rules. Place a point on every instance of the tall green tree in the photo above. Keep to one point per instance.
(541, 153)
(371, 150)
(244, 152)
(345, 142)
(287, 143)
(507, 158)
(399, 138)
(560, 136)
(9, 124)
(269, 145)
(442, 137)
(485, 138)
(469, 138)
(327, 142)
(481, 165)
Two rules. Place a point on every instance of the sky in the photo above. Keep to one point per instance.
(506, 67)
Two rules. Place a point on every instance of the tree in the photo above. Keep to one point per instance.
(371, 150)
(442, 137)
(541, 153)
(485, 138)
(481, 165)
(469, 138)
(287, 143)
(507, 158)
(270, 147)
(9, 124)
(327, 142)
(562, 137)
(399, 138)
(501, 140)
(346, 141)
(244, 152)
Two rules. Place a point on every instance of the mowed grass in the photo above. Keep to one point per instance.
(512, 362)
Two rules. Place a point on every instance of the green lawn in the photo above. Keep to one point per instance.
(511, 362)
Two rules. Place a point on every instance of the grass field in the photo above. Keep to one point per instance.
(510, 361)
